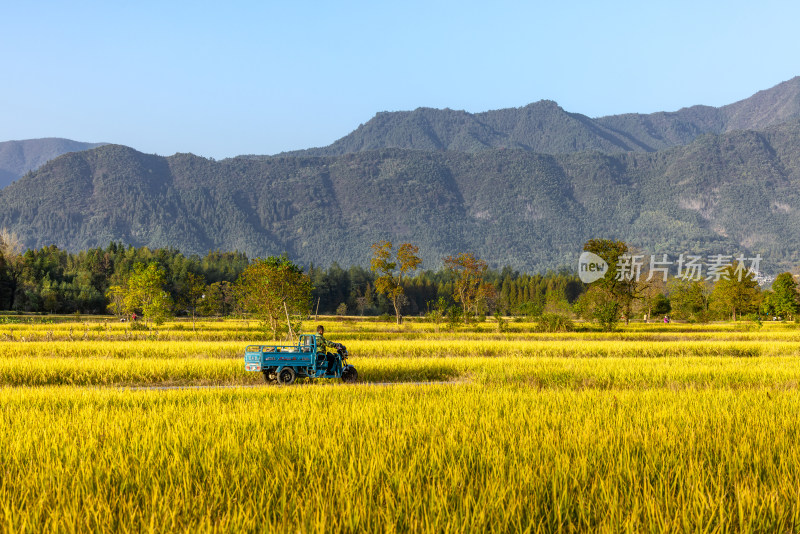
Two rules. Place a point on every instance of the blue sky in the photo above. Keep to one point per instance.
(265, 77)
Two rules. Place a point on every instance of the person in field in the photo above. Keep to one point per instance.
(323, 344)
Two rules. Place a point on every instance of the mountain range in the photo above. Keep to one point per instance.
(19, 157)
(523, 187)
(547, 128)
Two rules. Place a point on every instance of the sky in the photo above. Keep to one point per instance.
(265, 77)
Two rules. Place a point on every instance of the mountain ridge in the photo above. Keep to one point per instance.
(19, 157)
(545, 127)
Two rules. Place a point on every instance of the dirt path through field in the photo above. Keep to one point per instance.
(250, 386)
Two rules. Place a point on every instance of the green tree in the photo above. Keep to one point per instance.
(620, 287)
(390, 271)
(661, 305)
(277, 291)
(652, 298)
(598, 304)
(5, 284)
(785, 299)
(145, 292)
(218, 299)
(116, 300)
(364, 301)
(736, 293)
(437, 312)
(11, 250)
(689, 299)
(191, 293)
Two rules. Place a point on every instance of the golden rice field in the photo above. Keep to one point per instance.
(654, 428)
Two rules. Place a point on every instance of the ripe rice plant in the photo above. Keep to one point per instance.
(683, 427)
(245, 330)
(463, 458)
(539, 372)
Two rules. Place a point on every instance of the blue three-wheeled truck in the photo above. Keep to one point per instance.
(283, 364)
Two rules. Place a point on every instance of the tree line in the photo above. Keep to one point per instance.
(729, 292)
(159, 283)
(98, 280)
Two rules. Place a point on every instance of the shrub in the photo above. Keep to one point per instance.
(454, 316)
(502, 323)
(554, 322)
(607, 315)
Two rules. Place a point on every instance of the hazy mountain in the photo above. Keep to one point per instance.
(728, 193)
(19, 157)
(547, 128)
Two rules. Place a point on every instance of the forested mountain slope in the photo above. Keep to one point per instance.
(729, 193)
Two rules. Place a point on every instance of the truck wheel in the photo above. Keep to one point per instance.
(286, 376)
(270, 377)
(349, 374)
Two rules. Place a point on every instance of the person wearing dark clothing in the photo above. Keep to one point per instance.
(322, 345)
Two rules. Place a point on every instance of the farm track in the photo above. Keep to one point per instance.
(275, 386)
